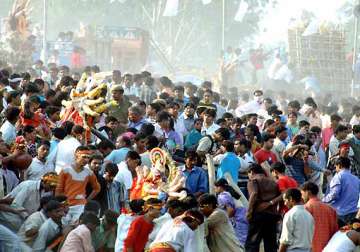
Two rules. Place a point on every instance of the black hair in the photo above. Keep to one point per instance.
(111, 168)
(311, 187)
(356, 129)
(208, 199)
(77, 129)
(344, 162)
(32, 99)
(280, 129)
(191, 154)
(303, 123)
(340, 128)
(110, 119)
(12, 113)
(151, 142)
(246, 143)
(50, 110)
(294, 194)
(59, 133)
(227, 115)
(162, 116)
(156, 106)
(45, 199)
(189, 201)
(105, 144)
(96, 157)
(189, 104)
(88, 217)
(278, 166)
(92, 206)
(266, 137)
(220, 121)
(133, 155)
(52, 205)
(315, 129)
(294, 104)
(223, 132)
(43, 142)
(210, 112)
(256, 168)
(82, 148)
(228, 145)
(137, 205)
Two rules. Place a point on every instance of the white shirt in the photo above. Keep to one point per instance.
(177, 234)
(37, 169)
(124, 175)
(33, 221)
(340, 242)
(8, 132)
(246, 161)
(27, 195)
(334, 147)
(248, 108)
(65, 155)
(355, 120)
(298, 228)
(47, 233)
(210, 130)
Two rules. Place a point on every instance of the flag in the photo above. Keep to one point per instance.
(206, 2)
(243, 7)
(171, 8)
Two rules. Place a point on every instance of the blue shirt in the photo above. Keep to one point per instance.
(196, 180)
(295, 169)
(117, 156)
(192, 139)
(230, 164)
(344, 192)
(138, 124)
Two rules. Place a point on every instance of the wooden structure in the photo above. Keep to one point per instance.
(323, 55)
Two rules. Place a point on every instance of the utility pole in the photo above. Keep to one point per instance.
(44, 39)
(355, 80)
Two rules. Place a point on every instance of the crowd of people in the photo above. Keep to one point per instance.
(160, 166)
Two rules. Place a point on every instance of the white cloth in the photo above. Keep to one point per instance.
(340, 242)
(8, 132)
(27, 195)
(37, 169)
(124, 175)
(47, 233)
(334, 147)
(298, 228)
(158, 224)
(33, 221)
(177, 234)
(10, 179)
(65, 154)
(355, 120)
(248, 108)
(210, 130)
(246, 161)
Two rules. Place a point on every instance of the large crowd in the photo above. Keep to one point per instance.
(147, 164)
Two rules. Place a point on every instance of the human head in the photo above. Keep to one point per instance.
(14, 98)
(54, 210)
(152, 207)
(335, 120)
(228, 146)
(53, 113)
(193, 219)
(268, 141)
(342, 163)
(116, 76)
(140, 140)
(117, 93)
(123, 141)
(78, 132)
(281, 132)
(29, 133)
(137, 206)
(198, 124)
(152, 109)
(105, 147)
(191, 159)
(229, 118)
(189, 110)
(111, 170)
(242, 146)
(258, 95)
(309, 190)
(292, 118)
(163, 118)
(133, 160)
(220, 185)
(356, 131)
(49, 181)
(82, 155)
(92, 206)
(90, 220)
(292, 197)
(341, 132)
(12, 114)
(209, 116)
(43, 150)
(134, 114)
(277, 169)
(95, 162)
(175, 207)
(252, 119)
(304, 126)
(111, 122)
(255, 169)
(173, 109)
(208, 96)
(207, 204)
(221, 134)
(294, 106)
(179, 92)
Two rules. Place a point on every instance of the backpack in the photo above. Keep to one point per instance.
(194, 148)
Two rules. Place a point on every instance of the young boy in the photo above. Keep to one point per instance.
(115, 190)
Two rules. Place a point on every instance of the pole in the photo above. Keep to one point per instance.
(223, 26)
(356, 25)
(44, 40)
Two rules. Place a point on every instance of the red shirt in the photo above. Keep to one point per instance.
(263, 155)
(138, 234)
(326, 136)
(284, 183)
(325, 223)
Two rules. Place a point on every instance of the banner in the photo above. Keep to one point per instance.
(243, 7)
(171, 8)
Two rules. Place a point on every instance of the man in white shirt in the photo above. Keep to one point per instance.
(340, 134)
(8, 129)
(51, 227)
(127, 171)
(355, 120)
(65, 155)
(39, 166)
(209, 127)
(179, 234)
(298, 224)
